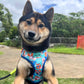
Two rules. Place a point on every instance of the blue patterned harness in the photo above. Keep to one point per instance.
(37, 60)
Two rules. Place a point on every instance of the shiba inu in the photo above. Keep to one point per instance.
(35, 66)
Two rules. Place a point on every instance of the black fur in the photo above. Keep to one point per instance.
(32, 71)
(16, 74)
(29, 82)
(53, 70)
(37, 16)
(41, 47)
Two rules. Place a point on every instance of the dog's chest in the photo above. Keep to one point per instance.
(37, 60)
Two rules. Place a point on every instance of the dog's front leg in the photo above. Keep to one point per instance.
(19, 80)
(22, 71)
(52, 80)
(49, 73)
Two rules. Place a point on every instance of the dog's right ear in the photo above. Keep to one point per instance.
(28, 8)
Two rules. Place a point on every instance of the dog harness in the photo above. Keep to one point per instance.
(37, 60)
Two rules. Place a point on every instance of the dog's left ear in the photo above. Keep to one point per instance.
(28, 8)
(49, 14)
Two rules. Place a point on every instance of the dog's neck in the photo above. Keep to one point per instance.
(39, 48)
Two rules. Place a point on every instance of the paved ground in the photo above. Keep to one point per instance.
(66, 66)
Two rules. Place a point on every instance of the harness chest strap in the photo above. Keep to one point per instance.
(37, 60)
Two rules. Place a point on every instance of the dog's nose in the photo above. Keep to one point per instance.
(31, 34)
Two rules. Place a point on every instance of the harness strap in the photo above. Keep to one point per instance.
(37, 60)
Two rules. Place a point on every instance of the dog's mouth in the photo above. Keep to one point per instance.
(33, 39)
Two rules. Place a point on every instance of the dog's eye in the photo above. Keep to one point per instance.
(41, 25)
(29, 22)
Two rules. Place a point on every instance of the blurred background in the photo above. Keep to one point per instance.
(66, 42)
(67, 24)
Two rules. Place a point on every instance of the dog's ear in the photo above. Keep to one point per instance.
(28, 8)
(49, 14)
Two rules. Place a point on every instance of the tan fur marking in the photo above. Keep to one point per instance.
(23, 66)
(19, 80)
(23, 24)
(31, 19)
(44, 32)
(48, 73)
(48, 69)
(39, 22)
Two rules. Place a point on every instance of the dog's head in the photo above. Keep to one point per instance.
(34, 27)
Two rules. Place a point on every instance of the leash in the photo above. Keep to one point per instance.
(12, 72)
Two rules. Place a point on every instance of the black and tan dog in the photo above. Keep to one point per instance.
(35, 30)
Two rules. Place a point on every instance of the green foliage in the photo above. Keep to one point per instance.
(68, 26)
(5, 18)
(2, 36)
(9, 43)
(1, 12)
(13, 32)
(14, 43)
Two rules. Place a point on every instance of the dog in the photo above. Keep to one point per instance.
(35, 66)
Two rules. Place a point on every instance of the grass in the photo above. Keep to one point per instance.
(1, 53)
(66, 50)
(10, 79)
(71, 81)
(2, 43)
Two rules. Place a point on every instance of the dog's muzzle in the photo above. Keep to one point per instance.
(30, 36)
